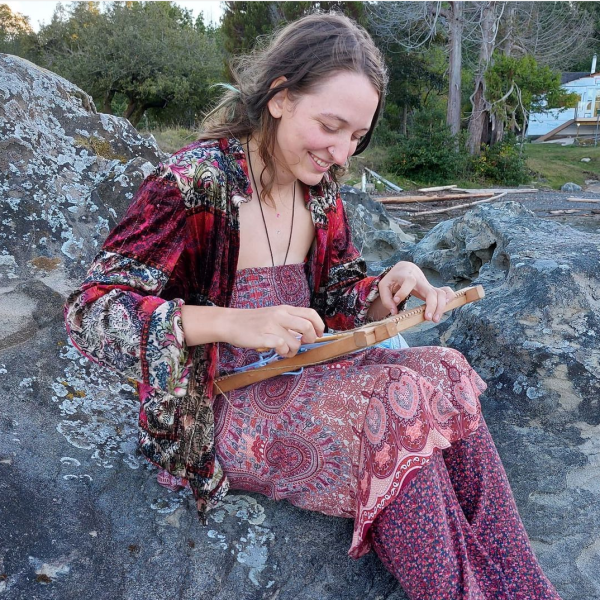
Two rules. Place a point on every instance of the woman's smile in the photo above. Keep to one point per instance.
(321, 164)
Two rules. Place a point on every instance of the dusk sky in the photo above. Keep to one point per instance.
(40, 12)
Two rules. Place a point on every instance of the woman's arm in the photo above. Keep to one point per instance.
(117, 317)
(283, 328)
(351, 298)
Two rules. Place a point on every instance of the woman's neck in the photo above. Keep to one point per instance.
(283, 179)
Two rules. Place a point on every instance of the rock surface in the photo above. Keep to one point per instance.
(570, 187)
(534, 339)
(375, 233)
(81, 513)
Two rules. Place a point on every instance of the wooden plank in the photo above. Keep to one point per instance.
(383, 180)
(440, 188)
(554, 131)
(408, 199)
(498, 190)
(454, 207)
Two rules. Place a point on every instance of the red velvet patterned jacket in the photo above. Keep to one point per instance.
(178, 243)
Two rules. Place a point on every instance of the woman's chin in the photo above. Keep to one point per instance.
(311, 179)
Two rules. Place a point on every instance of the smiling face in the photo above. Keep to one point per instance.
(322, 127)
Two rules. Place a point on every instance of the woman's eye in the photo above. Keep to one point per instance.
(328, 129)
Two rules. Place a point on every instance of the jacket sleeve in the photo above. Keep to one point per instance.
(346, 291)
(117, 317)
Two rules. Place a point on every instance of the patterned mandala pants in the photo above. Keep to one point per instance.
(454, 532)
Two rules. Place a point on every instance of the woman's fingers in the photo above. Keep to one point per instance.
(282, 328)
(306, 322)
(387, 298)
(408, 285)
(431, 304)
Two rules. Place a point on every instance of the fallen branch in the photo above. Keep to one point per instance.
(593, 200)
(467, 205)
(408, 199)
(440, 188)
(499, 190)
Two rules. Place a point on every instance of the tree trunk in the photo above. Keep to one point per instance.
(497, 131)
(509, 29)
(480, 106)
(131, 106)
(138, 113)
(136, 108)
(455, 29)
(107, 103)
(405, 120)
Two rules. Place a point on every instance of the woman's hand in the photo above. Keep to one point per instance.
(406, 278)
(283, 328)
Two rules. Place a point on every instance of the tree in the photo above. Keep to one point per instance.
(150, 53)
(15, 32)
(552, 32)
(518, 86)
(415, 25)
(244, 23)
(479, 103)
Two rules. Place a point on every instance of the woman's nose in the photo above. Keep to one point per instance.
(339, 153)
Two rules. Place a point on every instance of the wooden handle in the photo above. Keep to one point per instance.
(344, 343)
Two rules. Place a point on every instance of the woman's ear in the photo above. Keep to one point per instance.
(276, 104)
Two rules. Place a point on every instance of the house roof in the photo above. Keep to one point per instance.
(573, 75)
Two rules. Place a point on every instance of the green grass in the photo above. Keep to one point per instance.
(554, 165)
(374, 158)
(170, 139)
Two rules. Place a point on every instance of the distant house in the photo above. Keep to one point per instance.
(571, 123)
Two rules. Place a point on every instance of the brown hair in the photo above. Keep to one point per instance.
(305, 52)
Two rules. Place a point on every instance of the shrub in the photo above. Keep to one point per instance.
(429, 155)
(501, 163)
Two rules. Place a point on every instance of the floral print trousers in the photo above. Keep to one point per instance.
(454, 532)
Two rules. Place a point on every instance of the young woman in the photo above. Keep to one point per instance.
(239, 241)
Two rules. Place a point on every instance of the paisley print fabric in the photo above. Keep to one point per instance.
(178, 244)
(344, 437)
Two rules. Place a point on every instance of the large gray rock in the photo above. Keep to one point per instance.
(374, 232)
(534, 339)
(81, 514)
(66, 173)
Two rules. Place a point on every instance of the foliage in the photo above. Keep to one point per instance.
(583, 62)
(152, 54)
(518, 86)
(16, 34)
(430, 153)
(413, 78)
(501, 163)
(244, 23)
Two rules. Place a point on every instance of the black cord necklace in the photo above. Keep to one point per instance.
(263, 214)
